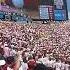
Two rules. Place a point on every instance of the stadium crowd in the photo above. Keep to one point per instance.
(34, 46)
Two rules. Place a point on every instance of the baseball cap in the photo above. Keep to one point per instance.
(2, 62)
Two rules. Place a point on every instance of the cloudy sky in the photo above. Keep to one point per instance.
(68, 5)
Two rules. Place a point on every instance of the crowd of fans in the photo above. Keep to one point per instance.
(34, 46)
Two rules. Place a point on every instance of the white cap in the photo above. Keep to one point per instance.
(2, 62)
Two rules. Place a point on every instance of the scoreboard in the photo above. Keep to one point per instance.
(44, 12)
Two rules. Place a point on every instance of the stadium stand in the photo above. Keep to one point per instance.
(31, 44)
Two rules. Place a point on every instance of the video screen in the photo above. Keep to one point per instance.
(59, 14)
(58, 4)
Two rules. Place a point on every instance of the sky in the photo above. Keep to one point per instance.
(68, 7)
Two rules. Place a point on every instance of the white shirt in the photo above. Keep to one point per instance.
(12, 52)
(62, 66)
(7, 52)
(58, 66)
(50, 63)
(9, 68)
(23, 66)
(43, 60)
(67, 67)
